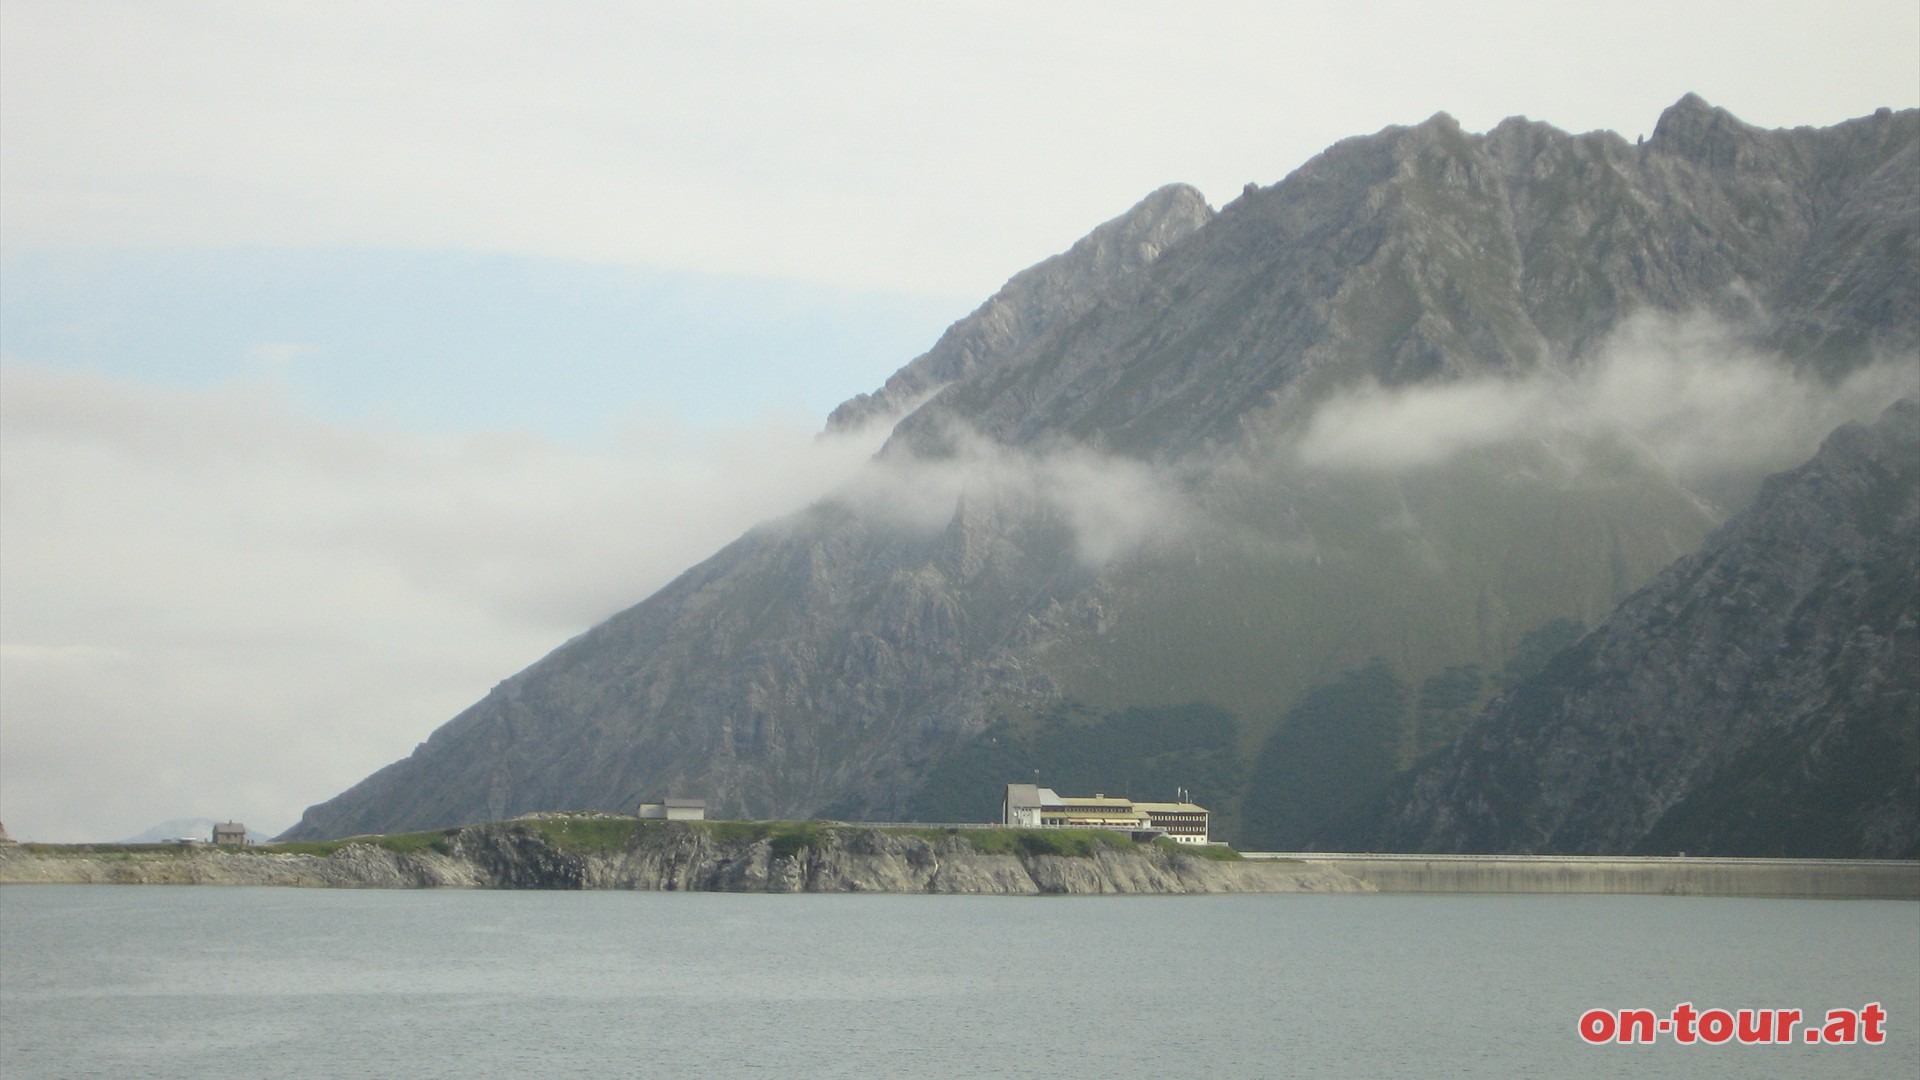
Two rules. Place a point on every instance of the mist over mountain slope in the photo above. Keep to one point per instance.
(1428, 393)
(1759, 697)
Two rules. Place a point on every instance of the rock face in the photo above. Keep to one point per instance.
(866, 860)
(1427, 252)
(670, 856)
(1121, 536)
(1759, 697)
(1035, 300)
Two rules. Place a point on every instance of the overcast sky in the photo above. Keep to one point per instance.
(355, 355)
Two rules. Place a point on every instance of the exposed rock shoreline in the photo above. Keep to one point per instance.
(672, 856)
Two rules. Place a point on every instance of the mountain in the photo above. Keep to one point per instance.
(1760, 697)
(1428, 397)
(1428, 253)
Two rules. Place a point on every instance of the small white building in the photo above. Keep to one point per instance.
(675, 810)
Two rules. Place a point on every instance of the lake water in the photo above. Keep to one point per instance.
(146, 981)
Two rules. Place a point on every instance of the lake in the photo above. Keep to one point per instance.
(149, 981)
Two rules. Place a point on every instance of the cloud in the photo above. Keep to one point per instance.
(1113, 506)
(214, 606)
(1684, 392)
(217, 606)
(924, 147)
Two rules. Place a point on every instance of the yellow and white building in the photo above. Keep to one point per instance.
(1034, 807)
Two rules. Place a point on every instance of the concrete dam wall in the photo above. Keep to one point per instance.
(1812, 879)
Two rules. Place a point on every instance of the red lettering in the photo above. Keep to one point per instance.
(1873, 1018)
(1636, 1025)
(1683, 1022)
(1752, 1027)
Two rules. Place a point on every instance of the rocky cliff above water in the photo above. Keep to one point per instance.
(673, 856)
(825, 664)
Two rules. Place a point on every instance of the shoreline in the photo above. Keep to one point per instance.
(598, 851)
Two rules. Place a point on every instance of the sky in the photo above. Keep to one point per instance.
(355, 355)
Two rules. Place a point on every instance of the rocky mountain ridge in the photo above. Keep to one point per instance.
(1424, 253)
(1035, 300)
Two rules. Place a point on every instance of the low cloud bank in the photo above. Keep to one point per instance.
(1113, 506)
(214, 606)
(1683, 391)
(1682, 394)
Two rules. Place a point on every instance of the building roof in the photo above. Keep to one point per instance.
(1030, 795)
(1023, 795)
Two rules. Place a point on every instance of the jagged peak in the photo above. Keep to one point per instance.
(1692, 128)
(1691, 102)
(1402, 140)
(1181, 206)
(1033, 299)
(1174, 194)
(1515, 141)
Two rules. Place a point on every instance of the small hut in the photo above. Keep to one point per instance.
(675, 809)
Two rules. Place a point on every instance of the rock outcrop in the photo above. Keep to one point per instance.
(673, 856)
